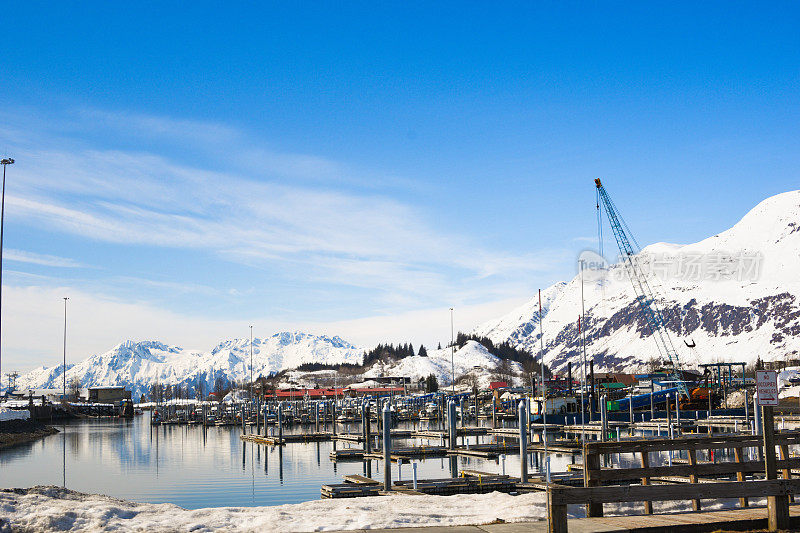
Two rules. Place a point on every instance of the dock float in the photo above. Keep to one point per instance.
(359, 486)
(274, 440)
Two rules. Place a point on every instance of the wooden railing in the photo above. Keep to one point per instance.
(605, 485)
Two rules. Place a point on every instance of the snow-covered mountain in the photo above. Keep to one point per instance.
(139, 364)
(734, 295)
(472, 358)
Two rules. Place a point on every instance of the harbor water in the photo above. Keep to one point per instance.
(196, 467)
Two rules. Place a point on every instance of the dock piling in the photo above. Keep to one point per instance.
(451, 420)
(387, 448)
(280, 421)
(603, 417)
(523, 442)
(630, 407)
(365, 426)
(333, 417)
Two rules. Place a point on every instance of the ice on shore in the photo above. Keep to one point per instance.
(14, 414)
(56, 509)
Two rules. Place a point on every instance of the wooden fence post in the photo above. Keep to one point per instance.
(693, 477)
(737, 453)
(558, 513)
(787, 472)
(591, 463)
(648, 505)
(777, 506)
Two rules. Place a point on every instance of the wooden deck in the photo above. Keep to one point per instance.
(752, 518)
(274, 440)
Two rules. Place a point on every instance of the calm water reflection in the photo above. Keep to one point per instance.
(194, 468)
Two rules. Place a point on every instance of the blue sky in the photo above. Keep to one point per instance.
(186, 170)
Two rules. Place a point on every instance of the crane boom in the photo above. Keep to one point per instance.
(644, 293)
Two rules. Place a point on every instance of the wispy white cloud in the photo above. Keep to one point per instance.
(366, 240)
(21, 256)
(386, 254)
(37, 321)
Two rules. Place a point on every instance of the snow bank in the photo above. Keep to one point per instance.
(57, 509)
(787, 374)
(14, 414)
(735, 399)
(790, 392)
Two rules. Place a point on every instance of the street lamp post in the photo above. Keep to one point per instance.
(5, 162)
(64, 368)
(452, 353)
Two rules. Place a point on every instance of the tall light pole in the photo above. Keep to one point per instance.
(452, 353)
(5, 162)
(251, 362)
(64, 368)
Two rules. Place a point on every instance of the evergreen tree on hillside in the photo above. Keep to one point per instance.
(504, 351)
(422, 351)
(431, 383)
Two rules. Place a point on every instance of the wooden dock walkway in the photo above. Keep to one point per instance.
(513, 433)
(594, 427)
(274, 440)
(442, 434)
(749, 519)
(356, 486)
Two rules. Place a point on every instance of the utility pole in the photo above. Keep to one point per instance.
(582, 331)
(251, 362)
(544, 392)
(5, 162)
(64, 368)
(452, 352)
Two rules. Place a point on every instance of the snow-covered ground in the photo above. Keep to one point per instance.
(472, 357)
(57, 509)
(14, 414)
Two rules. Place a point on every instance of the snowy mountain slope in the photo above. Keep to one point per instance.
(736, 295)
(470, 358)
(140, 364)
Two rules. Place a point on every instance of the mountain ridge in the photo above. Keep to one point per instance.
(138, 365)
(728, 310)
(729, 316)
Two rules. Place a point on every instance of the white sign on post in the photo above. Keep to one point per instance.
(767, 387)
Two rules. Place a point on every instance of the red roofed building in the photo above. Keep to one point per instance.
(494, 385)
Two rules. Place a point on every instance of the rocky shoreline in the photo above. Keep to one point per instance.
(14, 432)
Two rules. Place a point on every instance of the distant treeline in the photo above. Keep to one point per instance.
(385, 352)
(382, 352)
(390, 352)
